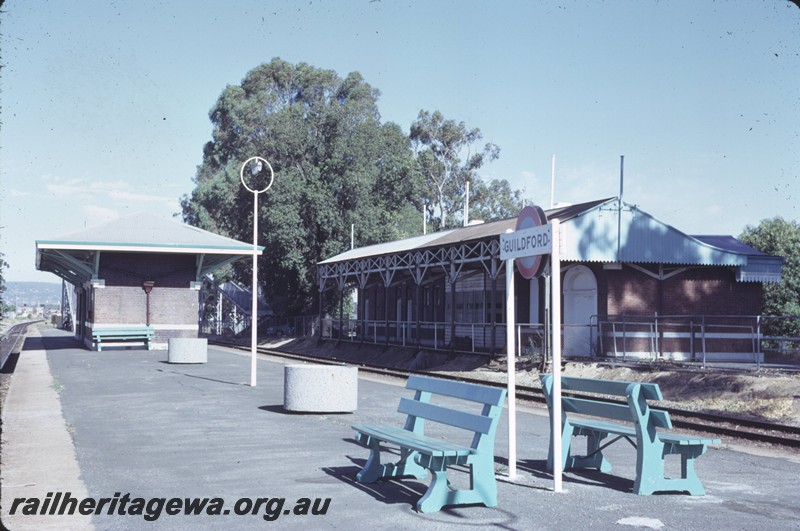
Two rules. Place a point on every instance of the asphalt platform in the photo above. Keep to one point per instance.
(128, 426)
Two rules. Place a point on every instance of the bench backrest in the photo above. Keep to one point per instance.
(481, 424)
(636, 394)
(121, 330)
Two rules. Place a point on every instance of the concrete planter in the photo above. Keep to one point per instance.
(320, 388)
(187, 350)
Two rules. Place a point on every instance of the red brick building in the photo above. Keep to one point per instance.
(632, 285)
(138, 271)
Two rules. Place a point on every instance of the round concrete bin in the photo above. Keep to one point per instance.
(320, 388)
(188, 350)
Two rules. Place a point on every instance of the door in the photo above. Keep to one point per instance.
(580, 304)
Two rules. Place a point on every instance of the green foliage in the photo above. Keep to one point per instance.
(447, 156)
(779, 237)
(335, 165)
(494, 201)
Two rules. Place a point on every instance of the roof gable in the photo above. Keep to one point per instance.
(76, 257)
(147, 230)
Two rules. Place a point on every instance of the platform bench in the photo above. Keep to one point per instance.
(144, 334)
(635, 422)
(478, 414)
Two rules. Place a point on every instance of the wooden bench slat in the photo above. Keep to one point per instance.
(420, 443)
(598, 409)
(608, 387)
(683, 439)
(443, 415)
(465, 391)
(611, 410)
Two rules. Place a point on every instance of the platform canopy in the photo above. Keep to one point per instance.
(76, 257)
(605, 231)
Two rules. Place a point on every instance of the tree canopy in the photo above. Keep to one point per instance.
(335, 165)
(495, 200)
(447, 156)
(779, 237)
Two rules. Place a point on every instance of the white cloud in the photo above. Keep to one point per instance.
(126, 196)
(100, 214)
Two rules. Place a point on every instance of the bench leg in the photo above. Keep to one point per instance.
(566, 439)
(650, 471)
(594, 457)
(483, 488)
(374, 470)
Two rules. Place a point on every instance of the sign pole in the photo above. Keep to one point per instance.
(555, 279)
(255, 170)
(254, 301)
(511, 357)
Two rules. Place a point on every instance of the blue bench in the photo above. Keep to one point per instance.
(639, 429)
(420, 453)
(144, 334)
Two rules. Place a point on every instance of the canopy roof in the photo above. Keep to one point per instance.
(605, 230)
(76, 257)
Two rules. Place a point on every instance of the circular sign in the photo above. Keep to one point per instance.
(256, 170)
(531, 266)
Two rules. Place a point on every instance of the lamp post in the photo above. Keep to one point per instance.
(257, 167)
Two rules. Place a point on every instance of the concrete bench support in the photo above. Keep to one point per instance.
(320, 388)
(188, 350)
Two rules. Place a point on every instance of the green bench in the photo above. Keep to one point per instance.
(122, 333)
(639, 429)
(420, 453)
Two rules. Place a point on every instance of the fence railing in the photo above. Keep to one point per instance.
(694, 338)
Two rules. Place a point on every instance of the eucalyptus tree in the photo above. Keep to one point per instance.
(447, 156)
(779, 237)
(494, 200)
(336, 167)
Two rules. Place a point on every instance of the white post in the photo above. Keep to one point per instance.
(555, 276)
(553, 182)
(258, 166)
(511, 356)
(254, 307)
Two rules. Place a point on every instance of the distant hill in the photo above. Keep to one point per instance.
(32, 293)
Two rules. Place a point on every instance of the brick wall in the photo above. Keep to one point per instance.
(706, 290)
(173, 305)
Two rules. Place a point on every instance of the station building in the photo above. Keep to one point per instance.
(136, 271)
(632, 285)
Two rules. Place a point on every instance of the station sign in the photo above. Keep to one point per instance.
(530, 244)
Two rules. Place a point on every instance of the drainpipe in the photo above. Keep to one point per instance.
(147, 286)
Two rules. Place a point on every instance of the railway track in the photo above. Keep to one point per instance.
(11, 341)
(729, 428)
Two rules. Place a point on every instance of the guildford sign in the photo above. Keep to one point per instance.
(530, 244)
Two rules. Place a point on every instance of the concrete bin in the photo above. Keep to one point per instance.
(320, 388)
(188, 350)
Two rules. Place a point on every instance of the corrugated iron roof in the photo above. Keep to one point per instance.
(74, 257)
(146, 230)
(604, 230)
(492, 229)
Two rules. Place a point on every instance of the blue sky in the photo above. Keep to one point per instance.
(105, 103)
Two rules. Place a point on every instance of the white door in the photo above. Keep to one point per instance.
(580, 304)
